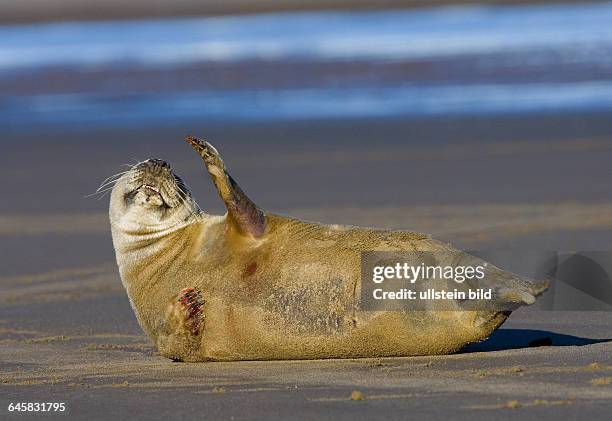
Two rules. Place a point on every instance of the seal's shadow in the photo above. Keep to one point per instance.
(528, 338)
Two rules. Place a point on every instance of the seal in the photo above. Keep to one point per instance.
(252, 285)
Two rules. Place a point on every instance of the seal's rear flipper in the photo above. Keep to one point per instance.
(522, 293)
(507, 297)
(245, 215)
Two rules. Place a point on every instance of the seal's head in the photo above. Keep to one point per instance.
(151, 198)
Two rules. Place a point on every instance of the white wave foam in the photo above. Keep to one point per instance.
(407, 34)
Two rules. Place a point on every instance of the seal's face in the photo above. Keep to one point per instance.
(150, 198)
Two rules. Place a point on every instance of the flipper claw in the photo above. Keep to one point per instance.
(192, 305)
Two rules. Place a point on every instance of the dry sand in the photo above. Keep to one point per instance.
(67, 332)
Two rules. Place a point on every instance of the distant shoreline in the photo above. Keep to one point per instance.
(29, 11)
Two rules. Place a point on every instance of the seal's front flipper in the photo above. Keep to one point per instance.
(190, 304)
(245, 215)
(182, 326)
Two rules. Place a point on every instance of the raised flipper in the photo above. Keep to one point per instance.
(245, 215)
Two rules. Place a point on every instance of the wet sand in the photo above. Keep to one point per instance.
(67, 332)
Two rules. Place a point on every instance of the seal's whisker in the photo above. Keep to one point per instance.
(100, 193)
(102, 186)
(103, 194)
(182, 193)
(102, 189)
(107, 184)
(113, 177)
(120, 173)
(136, 162)
(196, 203)
(182, 197)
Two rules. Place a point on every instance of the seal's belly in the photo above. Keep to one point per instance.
(257, 333)
(322, 320)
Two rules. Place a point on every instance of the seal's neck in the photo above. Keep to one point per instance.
(131, 236)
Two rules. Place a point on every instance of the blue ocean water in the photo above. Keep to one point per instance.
(468, 60)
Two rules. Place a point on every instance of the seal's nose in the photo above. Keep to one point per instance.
(158, 162)
(155, 164)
